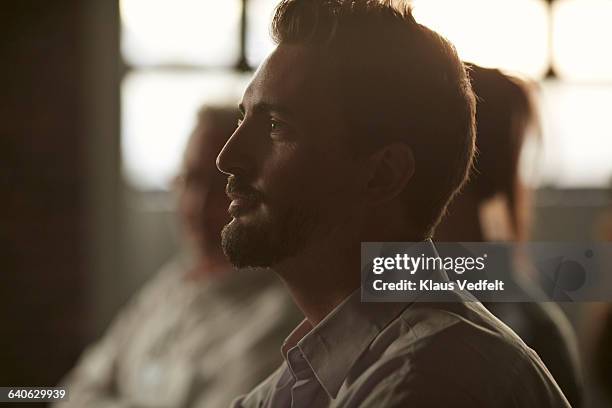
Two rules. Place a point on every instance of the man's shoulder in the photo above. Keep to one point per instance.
(458, 351)
(460, 336)
(457, 325)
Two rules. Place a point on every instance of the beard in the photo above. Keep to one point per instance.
(265, 242)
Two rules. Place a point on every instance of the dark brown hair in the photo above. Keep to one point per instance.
(398, 81)
(505, 112)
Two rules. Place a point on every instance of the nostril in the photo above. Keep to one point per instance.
(227, 167)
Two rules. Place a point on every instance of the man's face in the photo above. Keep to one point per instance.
(292, 179)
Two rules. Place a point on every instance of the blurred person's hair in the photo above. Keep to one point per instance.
(505, 114)
(219, 118)
(397, 81)
(218, 121)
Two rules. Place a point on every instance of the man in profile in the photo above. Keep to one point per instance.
(358, 127)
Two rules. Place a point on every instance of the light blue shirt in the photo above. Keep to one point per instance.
(419, 354)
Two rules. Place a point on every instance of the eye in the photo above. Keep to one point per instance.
(278, 127)
(275, 125)
(279, 130)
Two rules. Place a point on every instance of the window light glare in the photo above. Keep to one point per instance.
(581, 40)
(510, 35)
(199, 32)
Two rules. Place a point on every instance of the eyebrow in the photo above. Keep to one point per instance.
(265, 107)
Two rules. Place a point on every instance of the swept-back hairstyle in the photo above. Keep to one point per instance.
(397, 81)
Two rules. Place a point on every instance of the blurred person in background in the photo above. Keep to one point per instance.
(602, 361)
(603, 225)
(601, 313)
(494, 206)
(199, 333)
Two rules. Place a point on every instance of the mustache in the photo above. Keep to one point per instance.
(240, 187)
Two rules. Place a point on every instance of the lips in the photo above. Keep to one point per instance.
(244, 198)
(241, 205)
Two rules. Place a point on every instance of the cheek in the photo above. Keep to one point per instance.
(307, 177)
(292, 171)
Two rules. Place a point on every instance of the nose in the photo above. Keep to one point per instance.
(232, 159)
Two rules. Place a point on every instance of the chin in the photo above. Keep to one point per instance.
(256, 239)
(244, 244)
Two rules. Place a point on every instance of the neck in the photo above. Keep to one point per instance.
(319, 279)
(327, 272)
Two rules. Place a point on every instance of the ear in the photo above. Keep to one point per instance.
(390, 170)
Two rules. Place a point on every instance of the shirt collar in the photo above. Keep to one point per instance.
(332, 347)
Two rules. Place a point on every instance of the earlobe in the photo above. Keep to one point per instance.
(390, 171)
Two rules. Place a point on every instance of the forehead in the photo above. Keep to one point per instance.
(294, 78)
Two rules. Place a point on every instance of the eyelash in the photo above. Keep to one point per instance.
(275, 125)
(274, 122)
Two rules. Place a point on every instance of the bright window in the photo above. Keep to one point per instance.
(158, 114)
(259, 43)
(183, 53)
(511, 35)
(181, 32)
(582, 49)
(577, 145)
